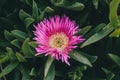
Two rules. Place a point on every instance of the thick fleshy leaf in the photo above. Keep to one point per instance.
(29, 2)
(27, 49)
(32, 72)
(115, 58)
(11, 53)
(3, 59)
(92, 59)
(47, 66)
(80, 58)
(25, 72)
(98, 28)
(95, 3)
(8, 35)
(35, 10)
(19, 34)
(16, 43)
(20, 57)
(84, 30)
(113, 17)
(28, 21)
(51, 73)
(109, 74)
(9, 68)
(115, 33)
(98, 36)
(33, 44)
(77, 6)
(23, 15)
(46, 10)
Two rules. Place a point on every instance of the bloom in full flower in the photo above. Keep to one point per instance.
(56, 37)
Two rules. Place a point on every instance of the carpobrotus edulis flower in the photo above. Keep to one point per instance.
(56, 37)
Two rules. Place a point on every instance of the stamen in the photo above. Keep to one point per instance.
(59, 41)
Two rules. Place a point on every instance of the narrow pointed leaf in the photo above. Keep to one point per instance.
(23, 15)
(92, 59)
(113, 17)
(98, 36)
(84, 30)
(77, 6)
(95, 3)
(109, 74)
(51, 73)
(80, 58)
(28, 21)
(20, 57)
(33, 44)
(11, 53)
(47, 66)
(19, 34)
(115, 58)
(8, 35)
(115, 33)
(3, 59)
(35, 10)
(9, 68)
(16, 43)
(25, 72)
(48, 9)
(27, 49)
(32, 72)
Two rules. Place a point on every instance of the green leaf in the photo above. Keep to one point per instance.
(9, 68)
(98, 28)
(95, 3)
(11, 53)
(77, 6)
(80, 58)
(48, 9)
(35, 10)
(32, 72)
(28, 21)
(23, 15)
(3, 59)
(98, 36)
(115, 58)
(33, 44)
(8, 35)
(16, 43)
(51, 73)
(113, 17)
(19, 34)
(84, 30)
(20, 57)
(27, 49)
(47, 66)
(92, 59)
(115, 33)
(29, 2)
(25, 72)
(109, 74)
(57, 2)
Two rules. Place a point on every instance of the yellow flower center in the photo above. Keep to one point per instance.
(59, 41)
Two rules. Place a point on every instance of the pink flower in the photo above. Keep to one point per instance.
(56, 37)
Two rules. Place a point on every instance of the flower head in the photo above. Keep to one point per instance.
(56, 37)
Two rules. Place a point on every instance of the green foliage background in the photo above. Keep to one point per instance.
(97, 58)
